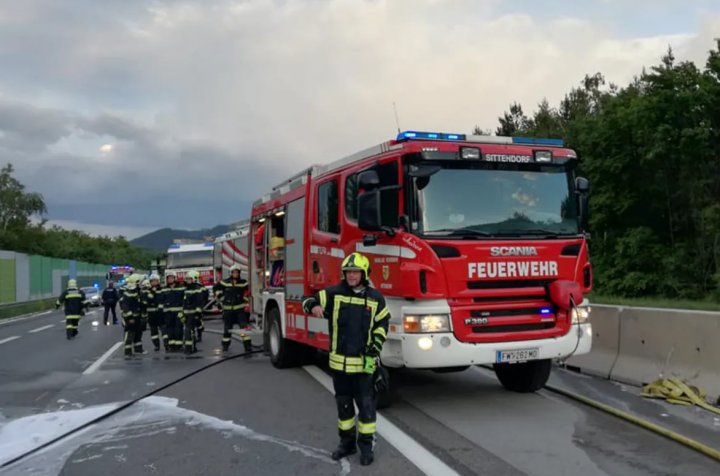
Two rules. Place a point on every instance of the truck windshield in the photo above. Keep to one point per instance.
(474, 200)
(186, 259)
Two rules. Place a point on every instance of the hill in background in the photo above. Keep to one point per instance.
(161, 239)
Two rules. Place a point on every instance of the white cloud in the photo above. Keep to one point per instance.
(217, 96)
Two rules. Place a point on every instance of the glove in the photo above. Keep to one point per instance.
(370, 364)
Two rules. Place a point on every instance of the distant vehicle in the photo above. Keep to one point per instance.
(118, 274)
(92, 295)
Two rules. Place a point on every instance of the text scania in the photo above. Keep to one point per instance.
(512, 269)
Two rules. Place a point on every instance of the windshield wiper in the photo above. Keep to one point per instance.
(533, 231)
(464, 232)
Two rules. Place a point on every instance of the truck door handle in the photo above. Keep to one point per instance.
(316, 268)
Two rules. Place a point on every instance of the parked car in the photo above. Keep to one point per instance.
(92, 295)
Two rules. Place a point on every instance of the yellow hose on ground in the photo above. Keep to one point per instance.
(675, 391)
(683, 440)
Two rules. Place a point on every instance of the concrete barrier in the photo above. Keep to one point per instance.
(639, 345)
(605, 344)
(656, 343)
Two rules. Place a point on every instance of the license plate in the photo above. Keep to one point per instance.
(518, 355)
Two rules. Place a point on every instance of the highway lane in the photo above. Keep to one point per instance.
(246, 416)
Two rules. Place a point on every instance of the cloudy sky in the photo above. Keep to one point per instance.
(131, 115)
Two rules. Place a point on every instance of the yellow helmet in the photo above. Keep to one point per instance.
(192, 274)
(357, 262)
(133, 279)
(72, 283)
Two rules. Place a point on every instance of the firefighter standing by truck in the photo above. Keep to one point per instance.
(75, 304)
(358, 323)
(131, 309)
(172, 298)
(151, 302)
(232, 294)
(196, 296)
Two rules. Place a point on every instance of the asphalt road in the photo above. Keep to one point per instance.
(243, 416)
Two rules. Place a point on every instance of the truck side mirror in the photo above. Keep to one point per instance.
(582, 188)
(368, 180)
(369, 211)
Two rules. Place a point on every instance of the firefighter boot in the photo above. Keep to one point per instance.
(366, 458)
(343, 450)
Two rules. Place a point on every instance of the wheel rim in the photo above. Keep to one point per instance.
(274, 339)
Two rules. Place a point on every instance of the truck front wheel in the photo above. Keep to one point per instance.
(524, 377)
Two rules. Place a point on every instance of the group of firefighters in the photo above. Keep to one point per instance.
(173, 311)
(357, 321)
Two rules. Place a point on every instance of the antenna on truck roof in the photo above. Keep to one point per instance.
(397, 122)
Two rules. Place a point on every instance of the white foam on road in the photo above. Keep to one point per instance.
(41, 328)
(96, 365)
(153, 416)
(417, 454)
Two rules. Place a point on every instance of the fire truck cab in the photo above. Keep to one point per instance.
(478, 244)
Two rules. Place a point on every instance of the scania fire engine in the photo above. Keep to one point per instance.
(477, 242)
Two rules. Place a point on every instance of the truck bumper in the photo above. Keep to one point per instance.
(444, 350)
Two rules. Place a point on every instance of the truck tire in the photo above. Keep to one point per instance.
(524, 377)
(283, 352)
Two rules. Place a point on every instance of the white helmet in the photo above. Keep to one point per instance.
(154, 277)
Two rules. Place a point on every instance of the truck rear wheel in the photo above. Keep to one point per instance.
(282, 351)
(524, 377)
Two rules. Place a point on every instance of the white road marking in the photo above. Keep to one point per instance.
(24, 317)
(8, 339)
(96, 365)
(426, 462)
(41, 328)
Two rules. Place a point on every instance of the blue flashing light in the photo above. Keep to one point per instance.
(429, 136)
(538, 141)
(210, 244)
(175, 245)
(545, 311)
(96, 286)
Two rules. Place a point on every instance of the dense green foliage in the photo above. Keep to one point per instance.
(19, 233)
(651, 150)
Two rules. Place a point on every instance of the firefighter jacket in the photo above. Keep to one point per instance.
(74, 301)
(358, 324)
(172, 298)
(131, 305)
(110, 296)
(232, 294)
(196, 296)
(151, 299)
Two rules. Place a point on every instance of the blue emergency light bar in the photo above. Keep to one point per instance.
(545, 311)
(429, 136)
(538, 141)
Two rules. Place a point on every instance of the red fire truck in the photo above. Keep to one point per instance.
(477, 242)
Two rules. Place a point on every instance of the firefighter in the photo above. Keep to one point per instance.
(171, 300)
(358, 323)
(110, 298)
(75, 304)
(151, 302)
(232, 294)
(131, 309)
(196, 296)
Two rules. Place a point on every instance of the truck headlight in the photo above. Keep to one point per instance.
(580, 315)
(426, 323)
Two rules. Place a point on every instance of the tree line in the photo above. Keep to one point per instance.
(19, 232)
(651, 150)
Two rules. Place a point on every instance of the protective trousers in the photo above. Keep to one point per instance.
(189, 328)
(71, 325)
(199, 326)
(358, 388)
(157, 324)
(133, 336)
(173, 333)
(230, 319)
(108, 309)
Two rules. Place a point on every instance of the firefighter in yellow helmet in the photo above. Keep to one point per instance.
(233, 294)
(196, 296)
(131, 309)
(171, 301)
(75, 303)
(358, 323)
